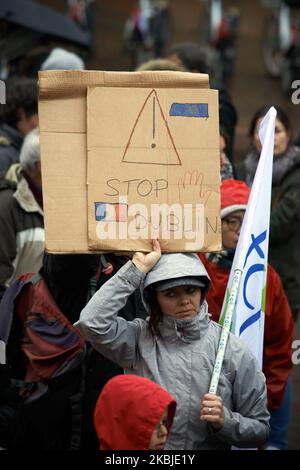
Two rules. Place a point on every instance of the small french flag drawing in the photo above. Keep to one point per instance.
(107, 212)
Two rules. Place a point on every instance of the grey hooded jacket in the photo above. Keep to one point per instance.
(181, 360)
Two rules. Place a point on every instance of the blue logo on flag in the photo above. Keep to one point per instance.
(254, 268)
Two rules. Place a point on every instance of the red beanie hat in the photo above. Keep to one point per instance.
(234, 196)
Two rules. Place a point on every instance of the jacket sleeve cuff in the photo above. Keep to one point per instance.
(226, 431)
(132, 274)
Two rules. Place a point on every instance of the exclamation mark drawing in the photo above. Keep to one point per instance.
(153, 122)
(157, 137)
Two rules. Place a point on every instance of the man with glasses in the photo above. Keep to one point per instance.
(278, 332)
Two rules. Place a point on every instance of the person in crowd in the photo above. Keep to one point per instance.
(195, 58)
(44, 58)
(71, 280)
(61, 59)
(160, 65)
(51, 421)
(146, 30)
(176, 348)
(284, 254)
(226, 166)
(160, 24)
(133, 413)
(21, 214)
(279, 329)
(99, 369)
(17, 118)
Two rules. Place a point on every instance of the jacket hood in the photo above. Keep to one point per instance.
(14, 173)
(176, 265)
(127, 411)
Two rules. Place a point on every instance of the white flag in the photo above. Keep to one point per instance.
(251, 255)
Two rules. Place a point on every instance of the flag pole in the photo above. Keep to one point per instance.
(230, 311)
(225, 332)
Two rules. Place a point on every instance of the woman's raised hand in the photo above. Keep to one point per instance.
(145, 261)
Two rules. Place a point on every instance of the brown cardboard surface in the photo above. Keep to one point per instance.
(140, 154)
(72, 178)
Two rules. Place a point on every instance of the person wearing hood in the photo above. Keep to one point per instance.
(133, 413)
(279, 325)
(176, 347)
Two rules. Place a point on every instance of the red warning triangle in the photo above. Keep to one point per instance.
(151, 141)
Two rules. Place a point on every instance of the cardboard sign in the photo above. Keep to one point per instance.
(127, 157)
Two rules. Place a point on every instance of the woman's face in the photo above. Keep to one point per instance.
(281, 138)
(181, 302)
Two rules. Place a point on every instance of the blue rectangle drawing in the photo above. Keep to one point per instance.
(107, 212)
(100, 209)
(199, 110)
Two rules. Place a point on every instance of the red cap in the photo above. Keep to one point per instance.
(234, 196)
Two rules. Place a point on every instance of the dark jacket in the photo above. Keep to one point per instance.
(284, 253)
(100, 369)
(10, 146)
(73, 279)
(284, 246)
(44, 424)
(21, 232)
(228, 120)
(9, 404)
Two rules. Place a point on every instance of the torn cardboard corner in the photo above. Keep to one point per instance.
(129, 156)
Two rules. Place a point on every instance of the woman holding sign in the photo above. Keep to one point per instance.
(176, 347)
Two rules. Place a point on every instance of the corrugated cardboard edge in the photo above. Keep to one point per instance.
(71, 83)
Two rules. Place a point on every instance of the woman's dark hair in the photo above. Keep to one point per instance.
(155, 311)
(261, 112)
(68, 277)
(193, 56)
(21, 94)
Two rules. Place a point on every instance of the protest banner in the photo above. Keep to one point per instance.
(127, 157)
